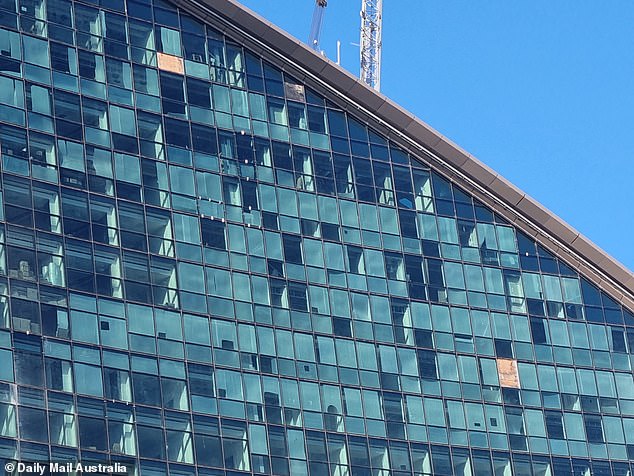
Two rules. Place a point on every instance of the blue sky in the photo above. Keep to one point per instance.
(541, 91)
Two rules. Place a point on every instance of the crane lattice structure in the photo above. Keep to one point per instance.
(371, 23)
(315, 27)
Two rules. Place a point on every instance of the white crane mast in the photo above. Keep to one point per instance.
(371, 22)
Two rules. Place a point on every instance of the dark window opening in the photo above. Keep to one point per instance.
(214, 234)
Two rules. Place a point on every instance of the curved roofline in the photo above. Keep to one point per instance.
(418, 138)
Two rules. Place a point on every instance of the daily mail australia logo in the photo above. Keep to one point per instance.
(65, 468)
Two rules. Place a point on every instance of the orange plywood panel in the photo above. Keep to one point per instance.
(170, 63)
(508, 374)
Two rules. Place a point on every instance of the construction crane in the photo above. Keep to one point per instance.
(371, 25)
(315, 27)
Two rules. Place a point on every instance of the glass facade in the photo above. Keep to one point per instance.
(209, 268)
